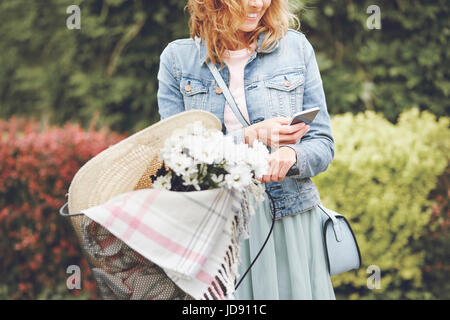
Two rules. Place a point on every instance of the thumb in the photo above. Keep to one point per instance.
(283, 120)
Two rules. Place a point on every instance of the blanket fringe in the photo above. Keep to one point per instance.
(226, 275)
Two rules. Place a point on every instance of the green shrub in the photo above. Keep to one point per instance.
(108, 66)
(380, 179)
(111, 64)
(398, 67)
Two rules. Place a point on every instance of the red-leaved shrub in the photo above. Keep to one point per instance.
(436, 240)
(36, 243)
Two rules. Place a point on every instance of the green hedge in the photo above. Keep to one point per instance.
(397, 67)
(380, 179)
(110, 65)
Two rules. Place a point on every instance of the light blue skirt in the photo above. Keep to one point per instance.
(292, 265)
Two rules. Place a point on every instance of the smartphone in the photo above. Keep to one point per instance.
(306, 116)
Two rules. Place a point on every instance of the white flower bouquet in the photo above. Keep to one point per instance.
(197, 159)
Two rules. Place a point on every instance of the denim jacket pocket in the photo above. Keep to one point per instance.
(195, 94)
(285, 93)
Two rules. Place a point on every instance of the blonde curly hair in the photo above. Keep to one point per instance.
(218, 21)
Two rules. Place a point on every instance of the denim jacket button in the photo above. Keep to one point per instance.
(219, 90)
(188, 88)
(287, 83)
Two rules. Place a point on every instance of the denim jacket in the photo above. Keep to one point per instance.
(278, 83)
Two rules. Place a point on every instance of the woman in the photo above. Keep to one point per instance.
(272, 74)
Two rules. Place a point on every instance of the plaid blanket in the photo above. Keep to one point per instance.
(122, 273)
(192, 236)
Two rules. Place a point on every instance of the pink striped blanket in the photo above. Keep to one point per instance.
(192, 236)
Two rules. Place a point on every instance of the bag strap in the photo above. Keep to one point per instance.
(227, 93)
(336, 226)
(264, 244)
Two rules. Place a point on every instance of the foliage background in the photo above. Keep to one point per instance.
(110, 65)
(107, 70)
(384, 190)
(398, 67)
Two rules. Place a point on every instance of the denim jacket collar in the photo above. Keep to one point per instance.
(201, 45)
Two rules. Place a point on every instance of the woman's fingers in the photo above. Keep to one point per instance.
(279, 164)
(283, 120)
(294, 137)
(268, 176)
(272, 167)
(274, 172)
(287, 129)
(284, 170)
(277, 131)
(286, 158)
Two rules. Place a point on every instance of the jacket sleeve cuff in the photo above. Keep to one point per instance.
(299, 167)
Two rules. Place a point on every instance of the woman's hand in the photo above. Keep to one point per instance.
(275, 132)
(280, 162)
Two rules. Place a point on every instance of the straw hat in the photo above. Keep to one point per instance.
(127, 165)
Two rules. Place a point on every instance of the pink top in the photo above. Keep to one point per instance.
(236, 61)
